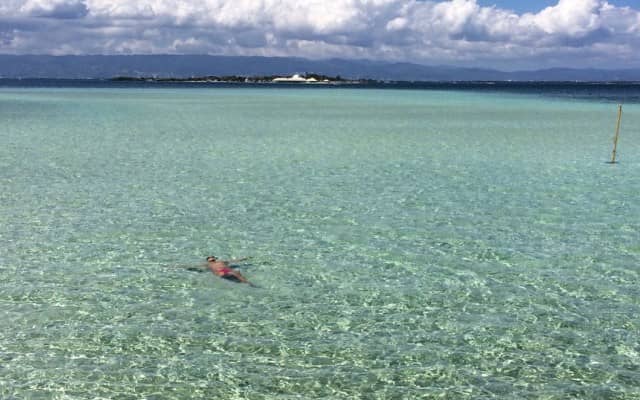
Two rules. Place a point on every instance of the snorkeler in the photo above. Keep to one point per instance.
(222, 269)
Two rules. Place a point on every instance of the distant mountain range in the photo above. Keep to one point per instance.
(180, 66)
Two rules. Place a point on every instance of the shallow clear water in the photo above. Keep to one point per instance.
(407, 244)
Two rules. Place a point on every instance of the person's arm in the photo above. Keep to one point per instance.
(236, 260)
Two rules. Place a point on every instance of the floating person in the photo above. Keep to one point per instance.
(223, 269)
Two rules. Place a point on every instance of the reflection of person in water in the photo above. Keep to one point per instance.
(222, 269)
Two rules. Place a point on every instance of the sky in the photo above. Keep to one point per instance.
(522, 6)
(502, 34)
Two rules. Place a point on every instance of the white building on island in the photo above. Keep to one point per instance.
(294, 78)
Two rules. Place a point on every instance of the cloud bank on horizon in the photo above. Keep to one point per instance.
(572, 33)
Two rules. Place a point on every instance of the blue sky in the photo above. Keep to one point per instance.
(503, 34)
(522, 6)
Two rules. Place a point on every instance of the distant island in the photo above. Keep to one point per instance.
(308, 78)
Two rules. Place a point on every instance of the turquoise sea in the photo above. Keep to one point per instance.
(407, 244)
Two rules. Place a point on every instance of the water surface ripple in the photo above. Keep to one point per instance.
(407, 244)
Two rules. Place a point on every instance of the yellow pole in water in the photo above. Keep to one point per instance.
(615, 138)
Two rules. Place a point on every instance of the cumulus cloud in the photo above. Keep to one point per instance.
(570, 17)
(60, 9)
(583, 32)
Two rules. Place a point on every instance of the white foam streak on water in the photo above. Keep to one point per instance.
(408, 244)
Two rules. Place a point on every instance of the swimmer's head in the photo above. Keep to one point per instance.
(211, 259)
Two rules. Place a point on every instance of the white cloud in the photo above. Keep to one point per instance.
(63, 9)
(570, 17)
(455, 31)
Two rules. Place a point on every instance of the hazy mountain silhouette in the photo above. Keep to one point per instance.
(91, 66)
